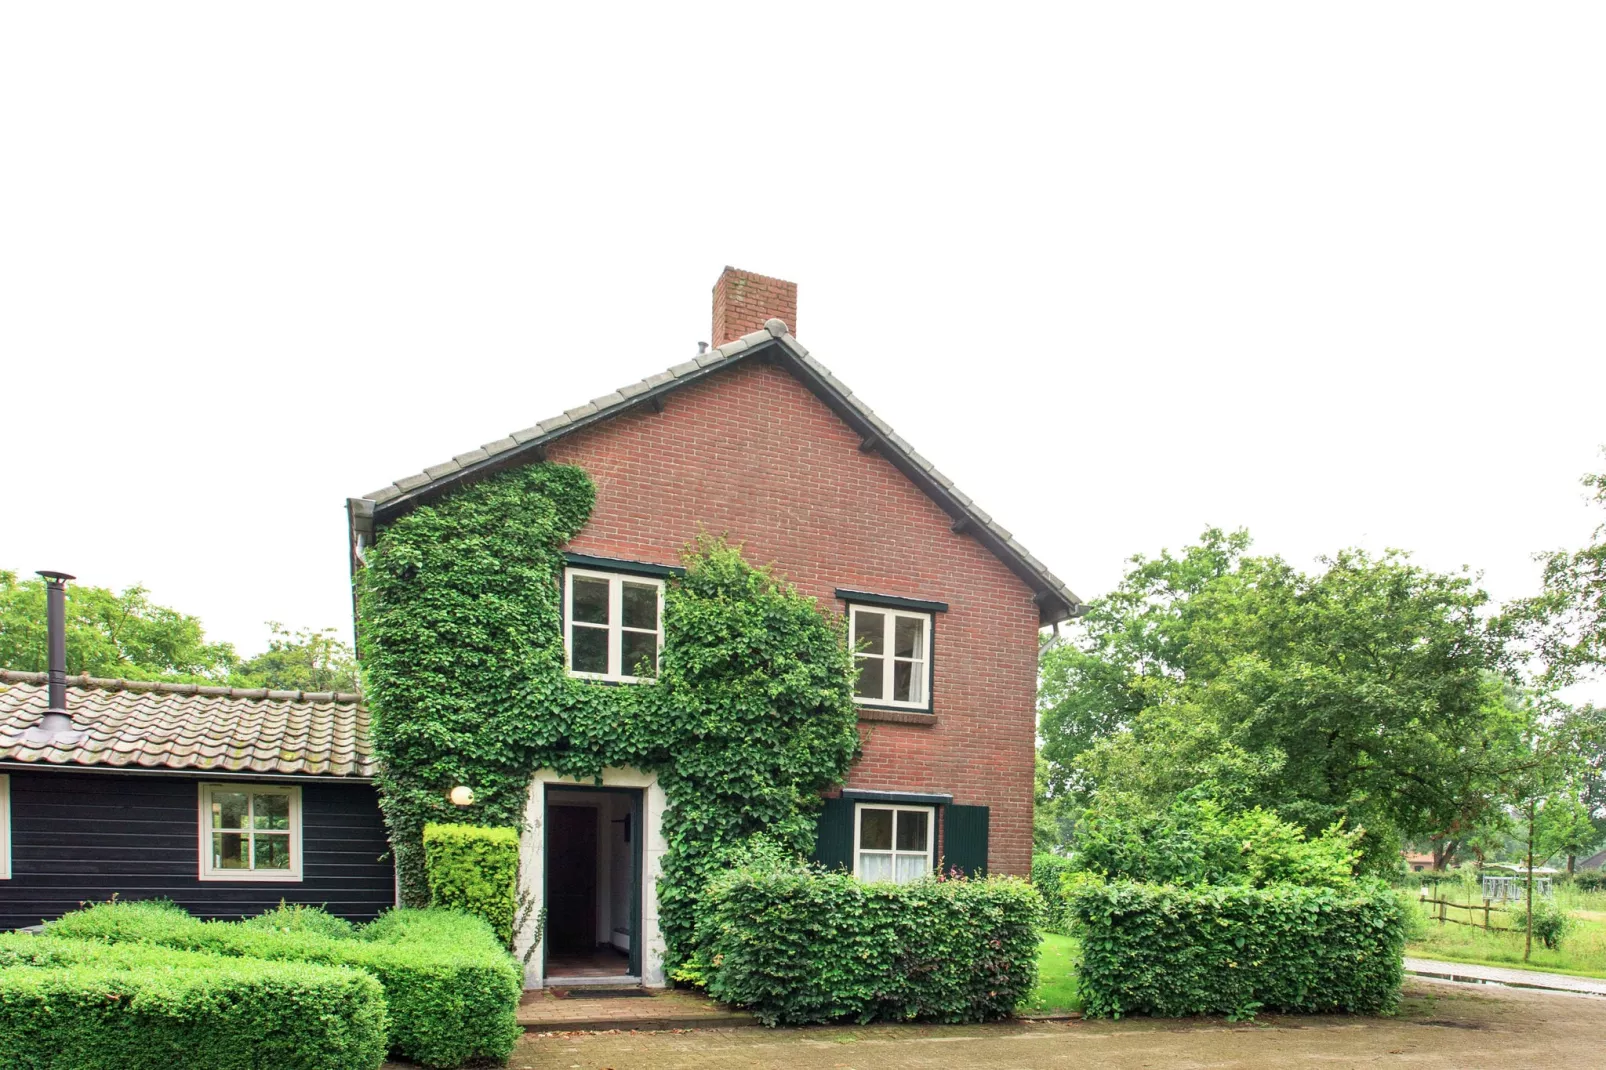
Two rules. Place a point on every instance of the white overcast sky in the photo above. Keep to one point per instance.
(1121, 270)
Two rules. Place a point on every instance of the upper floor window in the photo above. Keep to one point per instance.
(893, 652)
(250, 832)
(614, 625)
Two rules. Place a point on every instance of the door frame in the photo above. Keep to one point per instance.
(638, 839)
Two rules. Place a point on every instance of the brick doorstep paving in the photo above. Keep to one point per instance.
(548, 1011)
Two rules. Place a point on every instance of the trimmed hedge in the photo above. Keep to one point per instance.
(78, 1005)
(1170, 951)
(1048, 877)
(474, 869)
(796, 945)
(452, 990)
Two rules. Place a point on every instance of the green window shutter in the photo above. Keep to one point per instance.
(833, 840)
(964, 839)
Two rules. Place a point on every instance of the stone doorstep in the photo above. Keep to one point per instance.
(544, 1011)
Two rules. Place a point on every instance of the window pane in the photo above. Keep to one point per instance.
(911, 868)
(875, 829)
(870, 631)
(228, 850)
(590, 649)
(228, 809)
(904, 688)
(909, 637)
(271, 812)
(912, 830)
(272, 852)
(591, 600)
(641, 606)
(875, 867)
(636, 648)
(870, 682)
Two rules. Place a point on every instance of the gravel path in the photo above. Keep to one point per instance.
(1463, 971)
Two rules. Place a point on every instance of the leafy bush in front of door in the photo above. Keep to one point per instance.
(1048, 877)
(474, 869)
(83, 1005)
(795, 944)
(750, 718)
(1235, 950)
(451, 988)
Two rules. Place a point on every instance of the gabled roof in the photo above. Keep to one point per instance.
(775, 344)
(138, 725)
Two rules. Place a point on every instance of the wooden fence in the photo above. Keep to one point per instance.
(1473, 909)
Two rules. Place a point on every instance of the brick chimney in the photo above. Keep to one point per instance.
(743, 301)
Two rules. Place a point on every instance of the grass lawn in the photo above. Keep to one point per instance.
(1056, 978)
(1582, 952)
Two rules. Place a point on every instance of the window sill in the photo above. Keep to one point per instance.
(247, 876)
(896, 715)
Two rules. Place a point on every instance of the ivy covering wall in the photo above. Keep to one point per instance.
(461, 641)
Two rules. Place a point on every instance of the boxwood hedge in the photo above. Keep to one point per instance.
(1170, 951)
(474, 869)
(78, 1005)
(797, 945)
(451, 989)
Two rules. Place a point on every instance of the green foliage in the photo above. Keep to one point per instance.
(1364, 693)
(109, 634)
(1197, 841)
(451, 989)
(474, 869)
(751, 716)
(1551, 923)
(82, 1005)
(795, 944)
(1048, 877)
(1170, 951)
(308, 659)
(1590, 880)
(298, 918)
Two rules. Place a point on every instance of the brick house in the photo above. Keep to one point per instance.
(755, 439)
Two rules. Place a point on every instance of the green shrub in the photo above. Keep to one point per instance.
(474, 869)
(299, 918)
(1590, 880)
(79, 1005)
(1198, 841)
(1234, 950)
(797, 945)
(1551, 923)
(451, 988)
(1048, 877)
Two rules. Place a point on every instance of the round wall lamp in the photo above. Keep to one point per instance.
(462, 795)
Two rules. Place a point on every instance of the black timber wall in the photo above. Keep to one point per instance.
(82, 836)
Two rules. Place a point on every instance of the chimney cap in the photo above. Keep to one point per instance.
(49, 575)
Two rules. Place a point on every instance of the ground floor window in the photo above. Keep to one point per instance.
(5, 827)
(250, 832)
(893, 843)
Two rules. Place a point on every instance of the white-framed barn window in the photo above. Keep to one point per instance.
(250, 832)
(892, 649)
(613, 625)
(893, 843)
(5, 827)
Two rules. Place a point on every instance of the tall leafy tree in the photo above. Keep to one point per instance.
(307, 659)
(1364, 693)
(109, 634)
(1565, 624)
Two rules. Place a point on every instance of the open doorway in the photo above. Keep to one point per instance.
(593, 854)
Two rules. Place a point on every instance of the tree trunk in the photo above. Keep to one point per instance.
(1528, 946)
(1572, 860)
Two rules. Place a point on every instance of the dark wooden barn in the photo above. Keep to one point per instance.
(223, 800)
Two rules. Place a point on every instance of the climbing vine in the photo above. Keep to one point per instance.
(461, 639)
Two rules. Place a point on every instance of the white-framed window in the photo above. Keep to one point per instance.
(892, 648)
(893, 843)
(5, 827)
(250, 832)
(613, 625)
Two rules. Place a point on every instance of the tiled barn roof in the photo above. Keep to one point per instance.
(775, 342)
(138, 725)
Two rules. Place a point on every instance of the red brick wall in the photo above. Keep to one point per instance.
(751, 454)
(743, 301)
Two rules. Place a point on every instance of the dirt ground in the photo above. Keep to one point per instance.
(1440, 1025)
